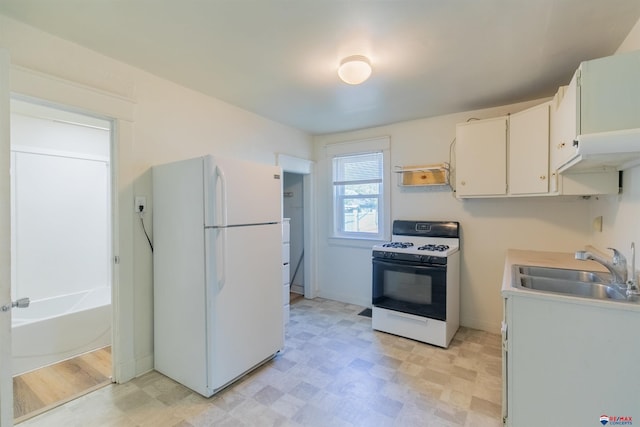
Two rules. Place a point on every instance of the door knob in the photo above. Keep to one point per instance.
(19, 303)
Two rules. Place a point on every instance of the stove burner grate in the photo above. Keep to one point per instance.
(436, 248)
(402, 245)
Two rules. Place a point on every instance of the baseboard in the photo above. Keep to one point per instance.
(124, 372)
(144, 365)
(348, 299)
(480, 324)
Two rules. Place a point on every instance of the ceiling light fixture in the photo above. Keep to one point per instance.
(354, 69)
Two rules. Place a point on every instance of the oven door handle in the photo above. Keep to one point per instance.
(415, 265)
(409, 316)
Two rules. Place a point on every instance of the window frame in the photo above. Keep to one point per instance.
(354, 148)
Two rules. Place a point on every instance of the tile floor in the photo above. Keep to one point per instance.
(334, 371)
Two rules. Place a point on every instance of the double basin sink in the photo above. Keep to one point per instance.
(579, 283)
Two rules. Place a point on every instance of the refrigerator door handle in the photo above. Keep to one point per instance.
(223, 195)
(216, 268)
(223, 259)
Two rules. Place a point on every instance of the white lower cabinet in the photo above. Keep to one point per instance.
(568, 363)
(286, 286)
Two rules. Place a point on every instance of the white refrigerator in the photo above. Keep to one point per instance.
(217, 267)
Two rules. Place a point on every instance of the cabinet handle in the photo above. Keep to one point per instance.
(542, 177)
(561, 145)
(463, 183)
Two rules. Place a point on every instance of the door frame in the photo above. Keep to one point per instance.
(35, 86)
(6, 380)
(304, 167)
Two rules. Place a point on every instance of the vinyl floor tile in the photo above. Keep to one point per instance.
(334, 371)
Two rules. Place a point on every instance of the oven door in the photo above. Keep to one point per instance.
(410, 287)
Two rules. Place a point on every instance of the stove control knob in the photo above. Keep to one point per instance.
(423, 258)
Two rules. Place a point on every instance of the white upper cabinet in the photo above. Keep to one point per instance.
(504, 156)
(529, 151)
(481, 158)
(564, 113)
(572, 145)
(563, 116)
(609, 95)
(599, 115)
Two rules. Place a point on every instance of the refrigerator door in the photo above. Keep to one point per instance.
(244, 295)
(240, 192)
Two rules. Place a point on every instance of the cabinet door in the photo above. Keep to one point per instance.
(481, 158)
(529, 151)
(609, 93)
(566, 347)
(565, 125)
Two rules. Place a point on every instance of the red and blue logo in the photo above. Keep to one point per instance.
(615, 420)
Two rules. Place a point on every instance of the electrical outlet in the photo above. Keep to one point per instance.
(597, 224)
(140, 204)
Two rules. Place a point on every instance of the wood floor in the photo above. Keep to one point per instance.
(38, 391)
(293, 296)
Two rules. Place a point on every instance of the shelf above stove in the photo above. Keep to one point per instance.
(423, 176)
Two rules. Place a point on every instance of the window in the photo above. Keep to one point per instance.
(359, 187)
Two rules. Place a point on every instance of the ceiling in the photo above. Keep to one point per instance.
(278, 58)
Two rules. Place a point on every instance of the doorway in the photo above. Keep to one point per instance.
(298, 197)
(61, 244)
(293, 208)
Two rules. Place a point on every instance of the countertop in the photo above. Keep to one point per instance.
(555, 260)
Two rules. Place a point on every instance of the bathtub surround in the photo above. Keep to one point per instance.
(60, 328)
(61, 196)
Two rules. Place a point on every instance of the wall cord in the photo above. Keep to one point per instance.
(145, 231)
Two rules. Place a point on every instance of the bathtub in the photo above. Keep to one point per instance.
(55, 329)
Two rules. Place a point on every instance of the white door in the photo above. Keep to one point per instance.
(6, 382)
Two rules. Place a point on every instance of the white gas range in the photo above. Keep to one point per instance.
(416, 281)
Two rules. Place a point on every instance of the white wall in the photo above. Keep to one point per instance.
(621, 213)
(488, 226)
(170, 123)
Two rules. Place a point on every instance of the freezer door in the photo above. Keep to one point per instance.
(240, 192)
(244, 294)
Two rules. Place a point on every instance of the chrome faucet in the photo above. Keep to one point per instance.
(617, 266)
